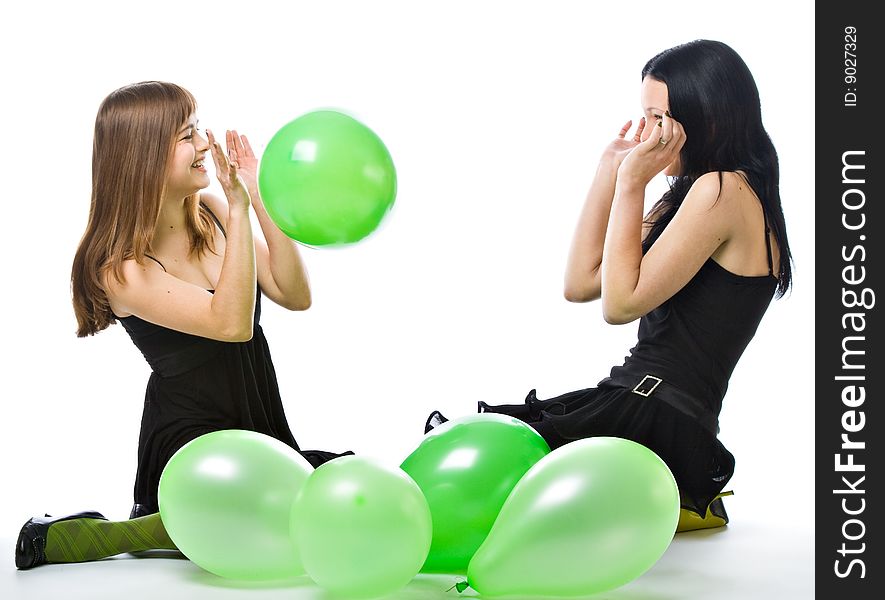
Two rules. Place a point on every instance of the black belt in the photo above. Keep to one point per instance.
(651, 385)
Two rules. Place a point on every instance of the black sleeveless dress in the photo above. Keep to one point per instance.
(668, 393)
(199, 385)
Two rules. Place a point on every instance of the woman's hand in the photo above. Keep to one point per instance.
(240, 152)
(652, 156)
(281, 273)
(621, 146)
(228, 173)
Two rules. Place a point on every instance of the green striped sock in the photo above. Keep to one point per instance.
(81, 540)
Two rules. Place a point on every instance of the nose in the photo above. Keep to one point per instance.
(200, 142)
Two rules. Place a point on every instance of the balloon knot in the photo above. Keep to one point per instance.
(460, 586)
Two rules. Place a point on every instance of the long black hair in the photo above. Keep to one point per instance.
(713, 95)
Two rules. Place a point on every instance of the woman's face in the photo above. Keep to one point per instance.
(655, 102)
(187, 174)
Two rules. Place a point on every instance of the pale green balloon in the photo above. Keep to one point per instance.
(590, 516)
(363, 528)
(225, 499)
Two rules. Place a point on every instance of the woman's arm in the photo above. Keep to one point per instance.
(633, 284)
(582, 275)
(281, 272)
(227, 315)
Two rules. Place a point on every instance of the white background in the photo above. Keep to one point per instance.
(495, 114)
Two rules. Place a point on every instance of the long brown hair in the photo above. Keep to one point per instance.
(135, 133)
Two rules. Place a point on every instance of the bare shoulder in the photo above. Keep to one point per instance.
(702, 197)
(736, 183)
(134, 279)
(132, 273)
(719, 184)
(709, 187)
(718, 191)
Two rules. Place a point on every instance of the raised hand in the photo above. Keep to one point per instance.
(621, 146)
(228, 173)
(240, 151)
(660, 149)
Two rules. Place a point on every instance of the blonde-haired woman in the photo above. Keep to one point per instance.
(183, 274)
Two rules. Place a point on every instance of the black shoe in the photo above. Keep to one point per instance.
(30, 550)
(141, 510)
(536, 407)
(435, 419)
(717, 509)
(317, 458)
(528, 411)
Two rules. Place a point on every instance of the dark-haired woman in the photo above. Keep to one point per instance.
(698, 271)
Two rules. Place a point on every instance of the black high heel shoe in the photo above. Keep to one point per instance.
(530, 411)
(435, 419)
(524, 412)
(141, 510)
(317, 458)
(30, 550)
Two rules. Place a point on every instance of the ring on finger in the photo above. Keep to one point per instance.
(663, 142)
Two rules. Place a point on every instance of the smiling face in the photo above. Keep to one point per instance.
(187, 172)
(655, 102)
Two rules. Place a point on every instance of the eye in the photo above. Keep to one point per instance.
(191, 132)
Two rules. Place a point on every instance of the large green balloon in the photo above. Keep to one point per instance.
(590, 516)
(326, 179)
(363, 528)
(466, 468)
(225, 499)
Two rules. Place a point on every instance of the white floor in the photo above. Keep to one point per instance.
(752, 558)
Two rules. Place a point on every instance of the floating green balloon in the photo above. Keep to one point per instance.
(363, 528)
(225, 499)
(326, 179)
(466, 468)
(590, 516)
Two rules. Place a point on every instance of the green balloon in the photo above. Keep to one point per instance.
(326, 179)
(225, 499)
(590, 516)
(363, 528)
(466, 468)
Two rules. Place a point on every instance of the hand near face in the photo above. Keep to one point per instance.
(229, 175)
(240, 152)
(621, 146)
(659, 150)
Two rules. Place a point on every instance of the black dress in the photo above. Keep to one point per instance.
(199, 385)
(668, 393)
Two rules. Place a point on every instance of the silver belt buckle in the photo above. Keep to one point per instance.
(647, 393)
